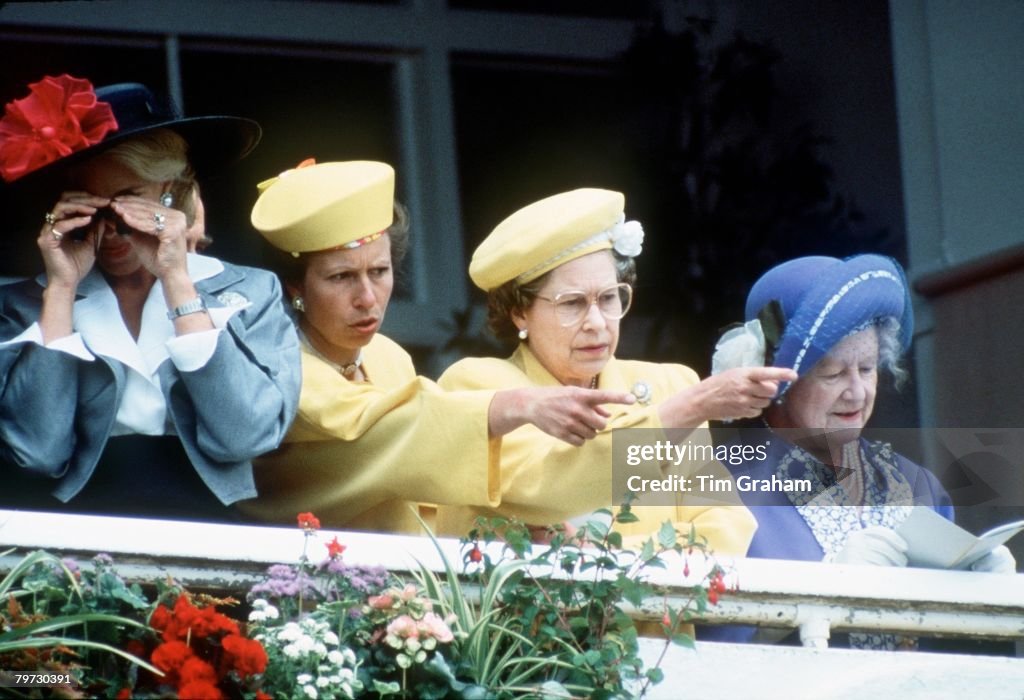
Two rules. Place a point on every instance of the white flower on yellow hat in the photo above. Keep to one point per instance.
(627, 238)
(743, 346)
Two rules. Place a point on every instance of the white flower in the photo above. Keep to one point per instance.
(331, 638)
(289, 633)
(349, 655)
(628, 238)
(323, 682)
(305, 644)
(257, 616)
(310, 692)
(303, 679)
(291, 651)
(740, 347)
(336, 657)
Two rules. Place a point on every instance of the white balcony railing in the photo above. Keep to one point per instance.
(814, 598)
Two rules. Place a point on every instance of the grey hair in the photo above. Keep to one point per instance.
(513, 297)
(890, 350)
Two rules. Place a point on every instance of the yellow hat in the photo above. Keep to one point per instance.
(540, 237)
(326, 205)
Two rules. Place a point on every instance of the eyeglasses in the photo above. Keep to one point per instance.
(572, 306)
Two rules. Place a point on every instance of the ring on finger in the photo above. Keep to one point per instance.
(50, 218)
(57, 235)
(160, 221)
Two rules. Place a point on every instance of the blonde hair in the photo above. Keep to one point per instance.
(160, 155)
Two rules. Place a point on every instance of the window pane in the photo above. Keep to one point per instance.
(310, 106)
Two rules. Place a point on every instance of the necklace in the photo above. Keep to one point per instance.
(347, 370)
(593, 382)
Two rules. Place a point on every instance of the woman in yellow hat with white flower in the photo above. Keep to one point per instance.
(370, 435)
(558, 275)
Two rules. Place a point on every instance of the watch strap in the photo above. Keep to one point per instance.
(193, 306)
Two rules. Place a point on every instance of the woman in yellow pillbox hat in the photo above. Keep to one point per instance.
(370, 435)
(558, 275)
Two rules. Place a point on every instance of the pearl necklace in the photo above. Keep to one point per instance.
(347, 370)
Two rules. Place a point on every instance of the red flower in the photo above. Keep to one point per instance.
(196, 670)
(335, 548)
(713, 596)
(169, 657)
(247, 656)
(475, 555)
(260, 695)
(209, 622)
(184, 612)
(126, 694)
(200, 690)
(135, 647)
(59, 116)
(308, 522)
(160, 618)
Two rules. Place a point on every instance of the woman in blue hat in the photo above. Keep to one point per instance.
(135, 377)
(825, 492)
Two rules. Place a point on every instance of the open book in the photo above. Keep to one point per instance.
(936, 543)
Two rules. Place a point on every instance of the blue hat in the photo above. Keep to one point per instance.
(825, 299)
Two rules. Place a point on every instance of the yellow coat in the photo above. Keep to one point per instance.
(544, 480)
(359, 452)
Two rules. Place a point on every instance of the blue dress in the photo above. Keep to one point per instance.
(783, 532)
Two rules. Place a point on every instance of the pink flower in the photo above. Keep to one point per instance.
(433, 626)
(403, 627)
(59, 116)
(381, 602)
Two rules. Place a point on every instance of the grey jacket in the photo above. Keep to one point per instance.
(57, 410)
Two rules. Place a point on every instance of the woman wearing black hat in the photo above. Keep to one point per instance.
(134, 377)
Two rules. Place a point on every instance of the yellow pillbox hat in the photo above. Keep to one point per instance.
(325, 206)
(546, 234)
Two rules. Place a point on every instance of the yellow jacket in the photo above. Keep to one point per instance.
(359, 452)
(544, 480)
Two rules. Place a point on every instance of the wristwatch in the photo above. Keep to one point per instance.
(189, 307)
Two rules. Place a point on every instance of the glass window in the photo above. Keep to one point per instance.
(310, 105)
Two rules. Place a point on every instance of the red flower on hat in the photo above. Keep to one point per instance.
(59, 116)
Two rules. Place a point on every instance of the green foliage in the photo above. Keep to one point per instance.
(57, 619)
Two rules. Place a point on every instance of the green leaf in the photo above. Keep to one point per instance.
(683, 640)
(626, 516)
(647, 551)
(384, 689)
(667, 535)
(655, 675)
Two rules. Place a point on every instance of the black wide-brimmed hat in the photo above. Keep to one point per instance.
(64, 121)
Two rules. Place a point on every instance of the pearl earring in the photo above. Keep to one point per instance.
(523, 333)
(298, 304)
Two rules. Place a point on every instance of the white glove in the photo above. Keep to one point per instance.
(874, 545)
(998, 561)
